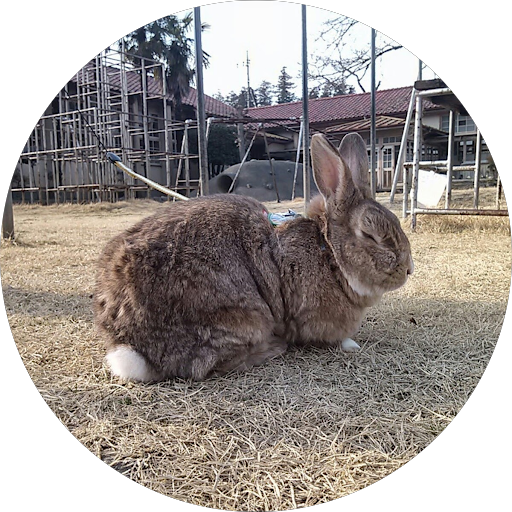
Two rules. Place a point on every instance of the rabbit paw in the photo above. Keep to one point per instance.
(349, 345)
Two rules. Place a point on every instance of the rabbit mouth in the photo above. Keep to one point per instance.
(393, 281)
(399, 279)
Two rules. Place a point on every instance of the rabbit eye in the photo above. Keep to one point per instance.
(369, 236)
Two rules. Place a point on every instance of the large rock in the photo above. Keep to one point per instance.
(255, 180)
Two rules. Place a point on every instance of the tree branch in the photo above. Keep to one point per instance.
(343, 65)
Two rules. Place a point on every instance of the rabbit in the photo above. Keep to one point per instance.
(208, 286)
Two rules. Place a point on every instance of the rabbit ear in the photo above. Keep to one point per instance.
(354, 153)
(330, 172)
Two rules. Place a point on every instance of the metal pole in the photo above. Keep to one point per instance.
(186, 153)
(145, 125)
(209, 123)
(201, 117)
(478, 156)
(498, 192)
(271, 162)
(241, 140)
(299, 143)
(417, 157)
(167, 144)
(373, 133)
(449, 162)
(248, 82)
(305, 112)
(405, 200)
(403, 147)
(247, 153)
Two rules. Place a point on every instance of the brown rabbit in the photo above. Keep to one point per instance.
(208, 285)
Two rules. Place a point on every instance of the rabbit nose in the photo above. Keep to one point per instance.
(410, 269)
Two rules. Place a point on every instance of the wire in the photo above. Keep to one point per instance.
(100, 142)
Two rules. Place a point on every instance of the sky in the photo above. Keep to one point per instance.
(270, 33)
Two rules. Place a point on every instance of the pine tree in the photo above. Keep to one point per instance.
(264, 94)
(165, 40)
(284, 88)
(238, 101)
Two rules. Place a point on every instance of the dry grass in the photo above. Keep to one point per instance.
(310, 426)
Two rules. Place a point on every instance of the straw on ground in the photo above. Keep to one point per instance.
(308, 427)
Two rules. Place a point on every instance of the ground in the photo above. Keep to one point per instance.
(308, 427)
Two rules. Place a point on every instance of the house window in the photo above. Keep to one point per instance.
(445, 123)
(387, 158)
(466, 152)
(463, 124)
(376, 155)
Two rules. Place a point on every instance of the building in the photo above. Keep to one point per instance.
(112, 105)
(339, 115)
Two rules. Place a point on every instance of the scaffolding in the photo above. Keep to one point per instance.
(438, 92)
(110, 103)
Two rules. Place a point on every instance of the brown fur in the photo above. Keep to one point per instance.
(208, 286)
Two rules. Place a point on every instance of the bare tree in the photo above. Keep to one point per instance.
(340, 61)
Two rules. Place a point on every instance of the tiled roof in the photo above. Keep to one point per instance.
(390, 102)
(212, 106)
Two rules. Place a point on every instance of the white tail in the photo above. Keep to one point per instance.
(126, 363)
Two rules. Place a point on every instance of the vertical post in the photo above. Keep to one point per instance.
(209, 123)
(186, 153)
(145, 123)
(305, 112)
(241, 140)
(297, 158)
(478, 157)
(126, 138)
(405, 199)
(167, 146)
(8, 217)
(201, 117)
(44, 183)
(247, 62)
(418, 124)
(403, 148)
(31, 172)
(498, 193)
(22, 180)
(373, 131)
(271, 162)
(449, 161)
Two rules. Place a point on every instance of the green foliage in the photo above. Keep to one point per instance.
(165, 40)
(222, 147)
(284, 88)
(264, 94)
(237, 101)
(330, 88)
